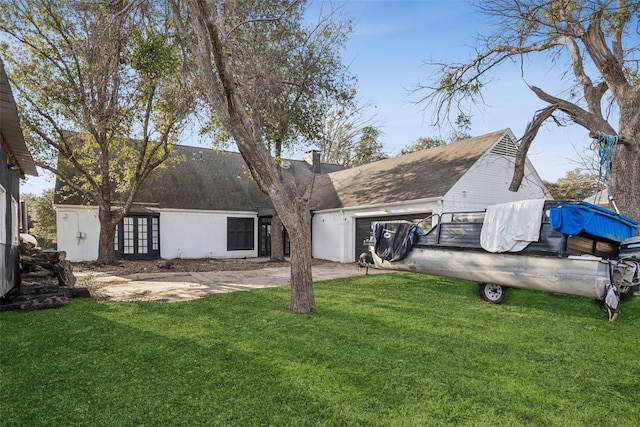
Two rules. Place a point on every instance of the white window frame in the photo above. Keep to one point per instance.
(3, 215)
(15, 223)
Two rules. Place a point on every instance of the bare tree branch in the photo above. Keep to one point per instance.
(525, 142)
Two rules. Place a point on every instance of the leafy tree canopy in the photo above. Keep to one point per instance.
(575, 185)
(101, 100)
(42, 216)
(422, 144)
(369, 149)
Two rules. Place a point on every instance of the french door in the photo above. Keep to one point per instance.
(138, 237)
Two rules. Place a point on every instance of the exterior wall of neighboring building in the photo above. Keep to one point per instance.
(9, 231)
(183, 234)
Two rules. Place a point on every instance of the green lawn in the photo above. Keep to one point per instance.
(382, 350)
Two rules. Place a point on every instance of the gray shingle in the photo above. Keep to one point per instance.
(418, 175)
(206, 179)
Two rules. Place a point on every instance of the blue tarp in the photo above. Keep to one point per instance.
(584, 217)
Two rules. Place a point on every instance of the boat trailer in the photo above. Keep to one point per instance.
(572, 248)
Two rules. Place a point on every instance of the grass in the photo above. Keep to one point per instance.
(383, 350)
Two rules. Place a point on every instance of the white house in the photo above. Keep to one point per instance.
(208, 205)
(205, 205)
(466, 175)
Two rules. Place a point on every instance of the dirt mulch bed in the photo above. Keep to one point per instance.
(125, 268)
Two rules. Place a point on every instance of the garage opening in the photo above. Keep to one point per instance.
(363, 228)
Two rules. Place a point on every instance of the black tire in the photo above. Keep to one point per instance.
(493, 293)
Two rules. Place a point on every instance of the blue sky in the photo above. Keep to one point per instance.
(388, 52)
(392, 41)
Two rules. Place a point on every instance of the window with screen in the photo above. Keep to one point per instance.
(240, 234)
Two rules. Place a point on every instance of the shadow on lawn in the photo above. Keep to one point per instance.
(444, 288)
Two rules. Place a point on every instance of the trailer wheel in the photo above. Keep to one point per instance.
(493, 293)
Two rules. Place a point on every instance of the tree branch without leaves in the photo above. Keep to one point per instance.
(525, 142)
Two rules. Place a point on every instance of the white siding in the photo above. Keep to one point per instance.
(78, 231)
(183, 234)
(334, 230)
(15, 224)
(3, 217)
(330, 230)
(193, 234)
(4, 245)
(487, 183)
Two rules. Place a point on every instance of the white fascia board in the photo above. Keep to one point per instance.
(380, 206)
(203, 211)
(75, 207)
(160, 210)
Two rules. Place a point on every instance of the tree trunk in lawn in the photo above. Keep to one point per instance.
(229, 93)
(106, 250)
(626, 177)
(293, 212)
(277, 239)
(302, 296)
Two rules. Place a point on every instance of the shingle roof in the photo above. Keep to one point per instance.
(206, 179)
(10, 127)
(422, 174)
(213, 180)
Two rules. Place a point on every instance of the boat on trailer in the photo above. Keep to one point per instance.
(572, 248)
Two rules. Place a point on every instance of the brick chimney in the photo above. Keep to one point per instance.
(313, 159)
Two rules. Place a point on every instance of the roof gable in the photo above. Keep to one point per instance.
(418, 175)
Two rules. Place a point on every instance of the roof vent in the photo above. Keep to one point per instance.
(286, 164)
(505, 147)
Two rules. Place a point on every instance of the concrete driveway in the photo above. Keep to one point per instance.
(181, 286)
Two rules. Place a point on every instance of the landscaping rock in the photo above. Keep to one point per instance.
(165, 264)
(64, 271)
(46, 281)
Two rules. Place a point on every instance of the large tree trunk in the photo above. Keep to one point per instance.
(277, 239)
(231, 98)
(625, 175)
(625, 168)
(106, 250)
(299, 223)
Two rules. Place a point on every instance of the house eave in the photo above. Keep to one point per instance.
(380, 206)
(12, 138)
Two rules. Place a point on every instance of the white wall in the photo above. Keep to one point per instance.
(334, 230)
(330, 229)
(183, 234)
(487, 183)
(78, 232)
(200, 234)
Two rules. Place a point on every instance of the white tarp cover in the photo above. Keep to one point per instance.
(510, 227)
